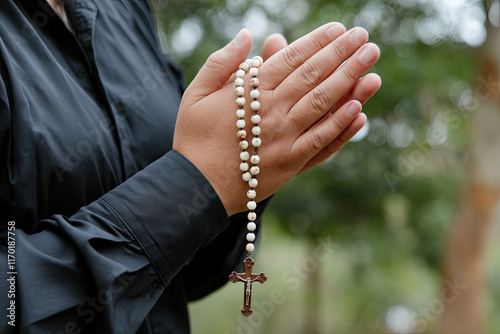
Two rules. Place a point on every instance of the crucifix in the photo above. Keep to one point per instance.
(248, 278)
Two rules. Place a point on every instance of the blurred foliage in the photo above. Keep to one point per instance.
(395, 189)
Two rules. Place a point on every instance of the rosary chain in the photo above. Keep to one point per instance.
(249, 173)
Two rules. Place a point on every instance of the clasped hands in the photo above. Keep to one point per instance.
(311, 96)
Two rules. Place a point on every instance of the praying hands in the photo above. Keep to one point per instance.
(99, 212)
(311, 96)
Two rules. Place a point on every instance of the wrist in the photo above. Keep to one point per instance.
(220, 178)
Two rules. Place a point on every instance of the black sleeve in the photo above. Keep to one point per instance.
(106, 265)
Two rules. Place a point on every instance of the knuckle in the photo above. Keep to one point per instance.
(318, 140)
(333, 147)
(343, 139)
(317, 45)
(292, 56)
(215, 61)
(318, 99)
(310, 73)
(340, 50)
(349, 74)
(338, 123)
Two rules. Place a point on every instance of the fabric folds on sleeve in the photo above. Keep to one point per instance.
(171, 209)
(103, 268)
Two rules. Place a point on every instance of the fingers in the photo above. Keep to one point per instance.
(273, 44)
(310, 143)
(364, 89)
(320, 100)
(284, 62)
(362, 92)
(221, 65)
(337, 143)
(321, 65)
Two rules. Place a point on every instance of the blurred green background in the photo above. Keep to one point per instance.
(358, 244)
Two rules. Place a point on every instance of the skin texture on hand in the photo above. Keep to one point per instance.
(311, 98)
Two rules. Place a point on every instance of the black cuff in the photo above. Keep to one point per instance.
(171, 209)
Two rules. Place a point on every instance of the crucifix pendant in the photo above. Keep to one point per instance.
(248, 278)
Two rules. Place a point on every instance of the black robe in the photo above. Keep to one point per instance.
(112, 228)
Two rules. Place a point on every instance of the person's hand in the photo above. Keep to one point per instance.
(361, 92)
(311, 96)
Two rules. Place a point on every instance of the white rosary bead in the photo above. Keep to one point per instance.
(251, 226)
(240, 101)
(249, 62)
(251, 205)
(247, 177)
(244, 167)
(240, 113)
(244, 66)
(250, 237)
(244, 144)
(255, 62)
(252, 216)
(259, 58)
(253, 183)
(255, 119)
(239, 82)
(240, 73)
(255, 159)
(256, 130)
(242, 134)
(254, 94)
(254, 82)
(254, 170)
(251, 193)
(254, 71)
(250, 247)
(255, 105)
(240, 91)
(256, 142)
(240, 123)
(244, 156)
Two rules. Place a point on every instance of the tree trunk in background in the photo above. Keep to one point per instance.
(463, 262)
(312, 324)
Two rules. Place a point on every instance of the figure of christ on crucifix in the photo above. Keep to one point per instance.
(248, 278)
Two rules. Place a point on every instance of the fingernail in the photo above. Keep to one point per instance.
(335, 31)
(358, 36)
(354, 109)
(238, 39)
(368, 54)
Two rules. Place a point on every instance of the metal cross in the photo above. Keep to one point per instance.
(248, 278)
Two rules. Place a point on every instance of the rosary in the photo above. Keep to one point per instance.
(249, 173)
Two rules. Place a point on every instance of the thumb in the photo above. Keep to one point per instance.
(222, 64)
